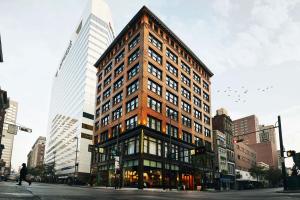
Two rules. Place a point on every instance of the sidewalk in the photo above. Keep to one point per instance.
(146, 189)
(9, 190)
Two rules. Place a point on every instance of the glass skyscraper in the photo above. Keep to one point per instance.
(71, 114)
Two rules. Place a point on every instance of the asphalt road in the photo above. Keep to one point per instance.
(38, 191)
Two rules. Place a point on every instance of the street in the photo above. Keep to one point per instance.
(9, 190)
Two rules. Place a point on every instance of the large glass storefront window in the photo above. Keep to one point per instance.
(130, 173)
(152, 175)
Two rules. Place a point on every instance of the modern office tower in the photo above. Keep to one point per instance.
(153, 100)
(8, 135)
(35, 157)
(223, 123)
(71, 115)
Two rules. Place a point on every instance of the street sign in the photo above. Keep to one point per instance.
(91, 148)
(12, 129)
(22, 128)
(117, 163)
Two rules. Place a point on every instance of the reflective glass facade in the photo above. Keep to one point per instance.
(72, 103)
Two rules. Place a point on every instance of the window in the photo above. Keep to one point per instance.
(206, 119)
(171, 83)
(104, 136)
(97, 125)
(99, 87)
(154, 87)
(196, 89)
(154, 71)
(196, 77)
(83, 135)
(133, 87)
(154, 104)
(207, 132)
(117, 113)
(134, 42)
(132, 104)
(152, 146)
(171, 55)
(118, 83)
(106, 93)
(98, 100)
(131, 122)
(155, 56)
(173, 70)
(116, 130)
(187, 137)
(185, 68)
(107, 80)
(106, 107)
(185, 106)
(108, 69)
(197, 101)
(206, 96)
(205, 86)
(97, 112)
(206, 108)
(117, 98)
(197, 114)
(186, 121)
(88, 115)
(120, 56)
(171, 113)
(100, 77)
(173, 130)
(185, 93)
(185, 80)
(153, 123)
(134, 56)
(86, 126)
(208, 145)
(198, 141)
(133, 71)
(155, 41)
(119, 70)
(105, 120)
(132, 145)
(197, 127)
(172, 98)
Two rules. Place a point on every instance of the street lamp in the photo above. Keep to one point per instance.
(76, 164)
(54, 154)
(171, 115)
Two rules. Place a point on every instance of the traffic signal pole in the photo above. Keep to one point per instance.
(282, 155)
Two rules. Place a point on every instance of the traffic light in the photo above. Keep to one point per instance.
(200, 150)
(235, 141)
(291, 153)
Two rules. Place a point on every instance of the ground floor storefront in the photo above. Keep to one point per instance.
(144, 162)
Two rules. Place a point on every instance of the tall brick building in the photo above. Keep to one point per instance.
(152, 91)
(262, 139)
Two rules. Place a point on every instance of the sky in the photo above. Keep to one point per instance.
(251, 46)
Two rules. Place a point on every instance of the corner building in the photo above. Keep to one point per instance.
(151, 86)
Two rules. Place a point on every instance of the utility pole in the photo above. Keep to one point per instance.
(282, 154)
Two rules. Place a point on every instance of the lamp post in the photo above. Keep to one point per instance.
(76, 164)
(54, 154)
(171, 114)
